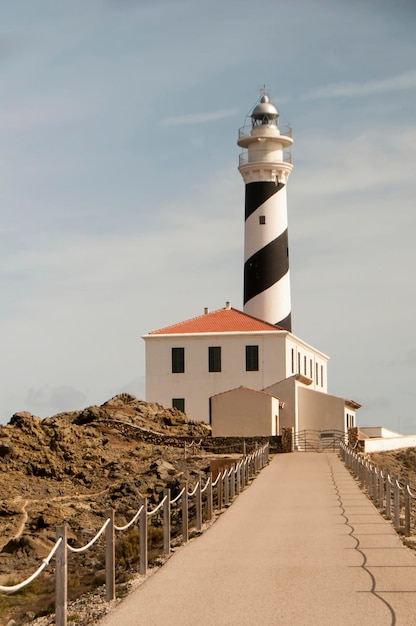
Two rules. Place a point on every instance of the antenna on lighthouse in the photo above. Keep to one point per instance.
(265, 166)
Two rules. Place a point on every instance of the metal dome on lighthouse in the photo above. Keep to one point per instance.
(265, 112)
(265, 165)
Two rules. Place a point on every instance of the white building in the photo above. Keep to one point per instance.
(245, 372)
(189, 362)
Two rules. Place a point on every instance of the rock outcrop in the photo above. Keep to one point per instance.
(72, 467)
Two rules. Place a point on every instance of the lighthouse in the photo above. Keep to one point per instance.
(265, 165)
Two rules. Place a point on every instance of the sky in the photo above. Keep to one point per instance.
(122, 208)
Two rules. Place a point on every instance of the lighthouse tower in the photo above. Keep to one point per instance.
(265, 165)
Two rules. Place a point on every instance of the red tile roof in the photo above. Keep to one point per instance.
(220, 321)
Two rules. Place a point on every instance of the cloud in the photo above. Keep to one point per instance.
(50, 400)
(199, 118)
(400, 82)
(369, 161)
(135, 386)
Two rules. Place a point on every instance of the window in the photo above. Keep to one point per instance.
(262, 219)
(178, 360)
(298, 362)
(310, 369)
(179, 403)
(252, 358)
(304, 365)
(350, 420)
(316, 373)
(322, 375)
(293, 361)
(214, 359)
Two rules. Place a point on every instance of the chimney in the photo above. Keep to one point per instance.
(228, 305)
(206, 310)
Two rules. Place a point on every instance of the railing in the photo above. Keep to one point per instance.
(228, 484)
(245, 131)
(319, 440)
(263, 156)
(397, 499)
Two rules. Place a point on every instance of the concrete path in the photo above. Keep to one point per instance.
(301, 546)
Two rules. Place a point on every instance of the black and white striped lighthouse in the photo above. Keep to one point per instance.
(265, 165)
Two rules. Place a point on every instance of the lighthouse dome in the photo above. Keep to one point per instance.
(265, 112)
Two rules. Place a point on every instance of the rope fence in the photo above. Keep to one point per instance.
(392, 496)
(228, 485)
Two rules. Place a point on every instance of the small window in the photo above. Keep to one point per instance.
(298, 362)
(293, 361)
(252, 358)
(178, 360)
(310, 369)
(322, 375)
(262, 219)
(316, 374)
(350, 420)
(304, 365)
(214, 359)
(179, 403)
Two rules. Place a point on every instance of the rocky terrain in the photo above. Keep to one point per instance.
(400, 463)
(73, 467)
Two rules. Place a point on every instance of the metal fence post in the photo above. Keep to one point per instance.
(407, 510)
(375, 486)
(166, 522)
(233, 482)
(185, 512)
(61, 577)
(238, 479)
(226, 488)
(143, 538)
(198, 502)
(396, 503)
(110, 575)
(381, 490)
(220, 491)
(388, 497)
(209, 498)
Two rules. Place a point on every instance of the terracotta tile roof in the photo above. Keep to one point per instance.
(220, 321)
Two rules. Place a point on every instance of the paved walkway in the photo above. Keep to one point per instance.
(301, 546)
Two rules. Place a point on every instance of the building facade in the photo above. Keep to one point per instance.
(189, 362)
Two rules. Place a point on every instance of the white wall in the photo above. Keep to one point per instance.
(315, 360)
(319, 411)
(286, 391)
(378, 431)
(396, 443)
(244, 413)
(196, 385)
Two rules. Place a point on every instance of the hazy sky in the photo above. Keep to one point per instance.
(122, 209)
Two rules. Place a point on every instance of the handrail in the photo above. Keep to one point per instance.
(91, 543)
(383, 489)
(233, 482)
(178, 497)
(24, 583)
(206, 485)
(156, 509)
(245, 131)
(131, 522)
(264, 156)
